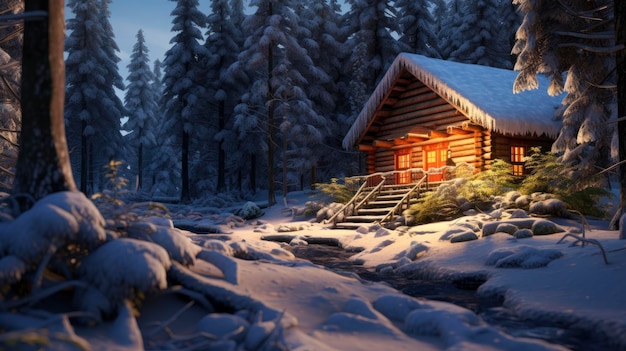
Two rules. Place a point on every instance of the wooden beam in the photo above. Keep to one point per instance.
(365, 148)
(472, 127)
(457, 130)
(437, 134)
(383, 144)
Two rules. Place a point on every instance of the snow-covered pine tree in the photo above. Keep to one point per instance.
(141, 103)
(476, 33)
(449, 20)
(11, 33)
(184, 83)
(576, 38)
(224, 41)
(271, 42)
(372, 46)
(93, 110)
(323, 36)
(417, 27)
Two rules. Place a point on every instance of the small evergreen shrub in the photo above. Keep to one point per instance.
(548, 175)
(336, 191)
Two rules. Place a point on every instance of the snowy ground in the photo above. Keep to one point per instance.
(272, 300)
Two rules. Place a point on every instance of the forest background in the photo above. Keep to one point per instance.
(259, 97)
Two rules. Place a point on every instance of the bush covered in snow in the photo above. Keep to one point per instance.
(548, 175)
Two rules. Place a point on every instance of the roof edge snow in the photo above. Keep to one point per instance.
(428, 70)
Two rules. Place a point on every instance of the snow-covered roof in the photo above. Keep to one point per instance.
(484, 94)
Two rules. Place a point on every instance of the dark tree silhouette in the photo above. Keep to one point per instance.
(43, 163)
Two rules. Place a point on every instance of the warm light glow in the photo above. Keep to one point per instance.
(517, 159)
(403, 161)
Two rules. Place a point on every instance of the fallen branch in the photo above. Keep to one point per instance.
(589, 241)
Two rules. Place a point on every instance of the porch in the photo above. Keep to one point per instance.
(381, 197)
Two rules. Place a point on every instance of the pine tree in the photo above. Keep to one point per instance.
(277, 100)
(183, 81)
(417, 27)
(372, 46)
(577, 38)
(11, 33)
(324, 36)
(93, 110)
(473, 36)
(224, 40)
(141, 103)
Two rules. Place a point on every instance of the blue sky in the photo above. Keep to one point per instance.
(153, 17)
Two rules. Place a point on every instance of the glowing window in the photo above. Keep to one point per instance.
(517, 159)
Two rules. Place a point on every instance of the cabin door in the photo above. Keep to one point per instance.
(435, 157)
(403, 163)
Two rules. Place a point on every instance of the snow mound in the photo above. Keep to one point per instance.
(56, 222)
(224, 326)
(522, 257)
(124, 267)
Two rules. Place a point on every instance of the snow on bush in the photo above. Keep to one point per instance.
(124, 267)
(522, 257)
(55, 223)
(249, 210)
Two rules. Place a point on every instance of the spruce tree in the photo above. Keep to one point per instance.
(577, 38)
(372, 46)
(184, 83)
(93, 111)
(417, 27)
(479, 32)
(141, 103)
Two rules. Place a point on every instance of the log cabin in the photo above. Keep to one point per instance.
(427, 113)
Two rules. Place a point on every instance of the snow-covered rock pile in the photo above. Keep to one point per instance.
(64, 244)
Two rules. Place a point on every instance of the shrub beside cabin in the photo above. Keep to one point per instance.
(428, 113)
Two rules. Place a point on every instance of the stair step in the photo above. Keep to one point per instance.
(363, 219)
(375, 211)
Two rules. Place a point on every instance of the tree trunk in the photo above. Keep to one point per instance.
(221, 156)
(620, 31)
(43, 164)
(271, 128)
(84, 158)
(140, 166)
(184, 195)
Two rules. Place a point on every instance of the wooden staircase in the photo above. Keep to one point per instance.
(380, 198)
(381, 207)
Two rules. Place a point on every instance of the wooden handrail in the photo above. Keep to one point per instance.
(404, 198)
(372, 192)
(342, 210)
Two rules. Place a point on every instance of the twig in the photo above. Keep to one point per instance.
(42, 294)
(590, 241)
(42, 267)
(171, 320)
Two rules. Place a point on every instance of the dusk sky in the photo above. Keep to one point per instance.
(128, 16)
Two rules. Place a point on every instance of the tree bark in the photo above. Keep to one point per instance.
(43, 165)
(221, 155)
(620, 31)
(184, 195)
